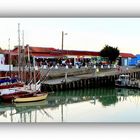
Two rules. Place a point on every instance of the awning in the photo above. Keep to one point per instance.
(127, 55)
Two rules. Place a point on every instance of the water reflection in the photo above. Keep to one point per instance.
(69, 106)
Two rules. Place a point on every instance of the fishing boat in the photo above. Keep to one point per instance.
(7, 82)
(34, 98)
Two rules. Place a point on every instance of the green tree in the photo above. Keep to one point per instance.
(111, 52)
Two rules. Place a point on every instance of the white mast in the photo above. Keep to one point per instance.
(19, 52)
(23, 55)
(9, 56)
(34, 72)
(29, 65)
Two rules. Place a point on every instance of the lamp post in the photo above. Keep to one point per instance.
(63, 39)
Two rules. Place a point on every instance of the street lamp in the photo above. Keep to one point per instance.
(63, 39)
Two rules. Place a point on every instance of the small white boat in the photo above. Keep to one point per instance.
(127, 82)
(34, 98)
(123, 81)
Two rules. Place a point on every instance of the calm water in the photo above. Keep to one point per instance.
(90, 105)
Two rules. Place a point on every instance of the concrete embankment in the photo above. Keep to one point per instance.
(58, 73)
(85, 79)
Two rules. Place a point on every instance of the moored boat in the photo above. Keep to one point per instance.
(34, 98)
(12, 85)
(125, 81)
(8, 95)
(7, 82)
(122, 81)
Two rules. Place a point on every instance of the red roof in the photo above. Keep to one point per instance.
(79, 53)
(41, 49)
(36, 49)
(126, 55)
(48, 52)
(46, 55)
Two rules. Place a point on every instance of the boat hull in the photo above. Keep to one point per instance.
(34, 98)
(11, 97)
(11, 85)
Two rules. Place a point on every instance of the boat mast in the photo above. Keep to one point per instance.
(29, 65)
(9, 56)
(19, 52)
(34, 71)
(23, 56)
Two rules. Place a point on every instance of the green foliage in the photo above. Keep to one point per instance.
(107, 101)
(111, 52)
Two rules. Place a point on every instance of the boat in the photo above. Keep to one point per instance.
(124, 81)
(8, 95)
(7, 82)
(34, 98)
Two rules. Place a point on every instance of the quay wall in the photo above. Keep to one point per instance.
(57, 73)
(88, 82)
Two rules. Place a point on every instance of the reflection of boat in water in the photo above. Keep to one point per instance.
(31, 104)
(55, 107)
(127, 92)
(34, 98)
(29, 110)
(3, 109)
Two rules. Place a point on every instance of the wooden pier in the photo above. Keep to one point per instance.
(84, 81)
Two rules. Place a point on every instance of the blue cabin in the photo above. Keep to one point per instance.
(134, 61)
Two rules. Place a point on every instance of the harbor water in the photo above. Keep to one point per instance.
(86, 105)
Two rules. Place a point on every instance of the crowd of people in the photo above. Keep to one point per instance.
(69, 63)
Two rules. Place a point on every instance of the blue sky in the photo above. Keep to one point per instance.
(82, 33)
